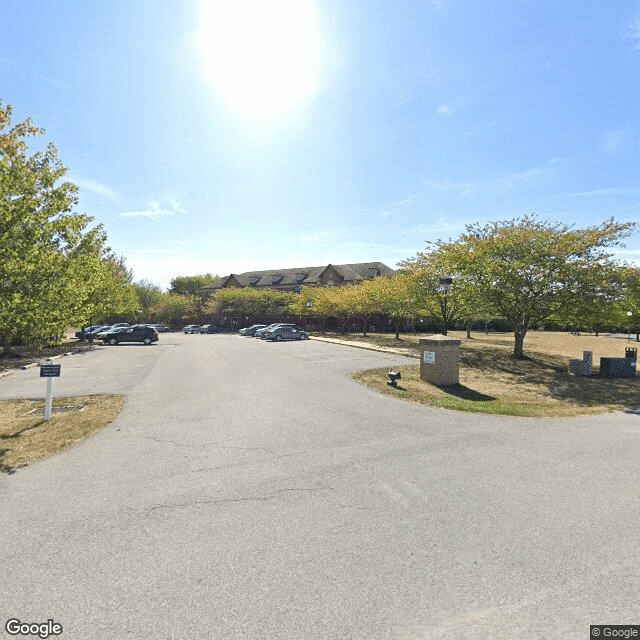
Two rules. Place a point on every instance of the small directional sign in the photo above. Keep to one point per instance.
(50, 370)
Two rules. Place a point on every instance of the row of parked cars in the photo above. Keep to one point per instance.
(204, 328)
(122, 332)
(276, 332)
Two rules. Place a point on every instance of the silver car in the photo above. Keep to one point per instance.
(284, 332)
(192, 328)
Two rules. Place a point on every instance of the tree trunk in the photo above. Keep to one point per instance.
(365, 326)
(6, 345)
(518, 349)
(397, 325)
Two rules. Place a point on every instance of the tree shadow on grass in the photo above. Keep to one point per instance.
(5, 468)
(550, 374)
(465, 393)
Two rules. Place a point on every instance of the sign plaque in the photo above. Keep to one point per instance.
(50, 370)
(429, 357)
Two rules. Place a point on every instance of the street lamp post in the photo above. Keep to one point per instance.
(629, 314)
(445, 286)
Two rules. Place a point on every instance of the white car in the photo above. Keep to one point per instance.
(192, 328)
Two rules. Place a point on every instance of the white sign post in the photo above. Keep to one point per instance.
(48, 400)
(49, 371)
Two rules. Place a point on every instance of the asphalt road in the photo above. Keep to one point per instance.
(251, 490)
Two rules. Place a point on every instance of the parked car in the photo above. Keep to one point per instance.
(191, 328)
(160, 328)
(209, 328)
(100, 334)
(284, 332)
(249, 331)
(83, 333)
(260, 333)
(97, 333)
(135, 333)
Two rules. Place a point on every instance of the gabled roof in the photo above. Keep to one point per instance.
(292, 277)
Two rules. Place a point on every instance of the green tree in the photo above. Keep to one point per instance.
(631, 299)
(189, 285)
(50, 261)
(174, 309)
(528, 270)
(437, 288)
(247, 301)
(317, 301)
(396, 297)
(148, 294)
(360, 300)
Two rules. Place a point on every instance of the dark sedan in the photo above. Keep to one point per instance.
(250, 331)
(136, 333)
(208, 328)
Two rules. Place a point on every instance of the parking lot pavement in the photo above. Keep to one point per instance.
(250, 490)
(104, 369)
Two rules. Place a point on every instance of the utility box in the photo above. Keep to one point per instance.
(618, 367)
(631, 353)
(440, 360)
(582, 367)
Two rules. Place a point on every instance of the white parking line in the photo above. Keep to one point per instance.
(133, 366)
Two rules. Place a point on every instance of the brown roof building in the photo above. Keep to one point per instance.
(294, 279)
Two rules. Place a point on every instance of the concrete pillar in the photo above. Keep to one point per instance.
(587, 357)
(440, 360)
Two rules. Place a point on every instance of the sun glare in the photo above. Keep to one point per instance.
(264, 56)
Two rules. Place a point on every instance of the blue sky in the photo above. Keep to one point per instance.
(220, 137)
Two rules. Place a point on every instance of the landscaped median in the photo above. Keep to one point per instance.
(493, 381)
(25, 437)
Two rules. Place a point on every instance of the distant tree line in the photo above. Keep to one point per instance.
(525, 272)
(57, 271)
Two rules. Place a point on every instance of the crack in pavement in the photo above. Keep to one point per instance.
(161, 441)
(194, 503)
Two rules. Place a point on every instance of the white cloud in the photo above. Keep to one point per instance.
(612, 191)
(614, 139)
(17, 67)
(436, 229)
(445, 110)
(385, 215)
(155, 252)
(507, 181)
(154, 211)
(412, 198)
(438, 5)
(93, 186)
(480, 130)
(450, 108)
(632, 32)
(316, 237)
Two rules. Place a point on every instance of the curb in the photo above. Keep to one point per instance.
(360, 345)
(24, 367)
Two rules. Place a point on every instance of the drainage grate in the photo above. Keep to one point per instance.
(63, 409)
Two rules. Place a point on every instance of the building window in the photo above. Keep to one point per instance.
(277, 279)
(300, 278)
(253, 281)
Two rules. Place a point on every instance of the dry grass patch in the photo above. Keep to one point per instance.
(492, 381)
(25, 436)
(21, 355)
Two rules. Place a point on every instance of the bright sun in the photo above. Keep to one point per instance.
(264, 56)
